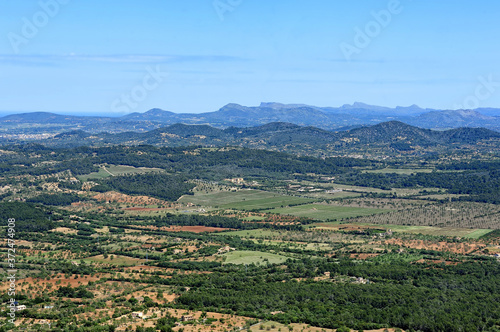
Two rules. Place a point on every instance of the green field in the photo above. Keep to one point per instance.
(476, 234)
(425, 230)
(113, 170)
(243, 200)
(253, 218)
(252, 257)
(257, 235)
(340, 194)
(324, 212)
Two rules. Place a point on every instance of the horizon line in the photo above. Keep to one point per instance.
(4, 113)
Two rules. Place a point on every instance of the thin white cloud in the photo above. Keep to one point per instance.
(54, 60)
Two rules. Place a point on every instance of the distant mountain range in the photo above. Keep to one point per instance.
(328, 118)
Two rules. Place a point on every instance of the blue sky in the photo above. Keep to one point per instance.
(115, 57)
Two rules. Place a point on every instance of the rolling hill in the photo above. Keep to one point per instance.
(393, 137)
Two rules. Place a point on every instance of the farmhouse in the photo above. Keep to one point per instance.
(137, 314)
(327, 178)
(388, 233)
(333, 191)
(360, 280)
(187, 318)
(225, 249)
(236, 180)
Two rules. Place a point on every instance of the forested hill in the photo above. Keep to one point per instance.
(392, 131)
(392, 137)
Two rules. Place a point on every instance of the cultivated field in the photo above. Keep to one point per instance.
(117, 170)
(116, 260)
(325, 212)
(455, 215)
(243, 200)
(252, 257)
(425, 230)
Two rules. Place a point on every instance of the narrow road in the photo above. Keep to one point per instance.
(108, 171)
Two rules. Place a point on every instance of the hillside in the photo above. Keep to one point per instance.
(392, 137)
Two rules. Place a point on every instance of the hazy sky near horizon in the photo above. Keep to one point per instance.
(116, 57)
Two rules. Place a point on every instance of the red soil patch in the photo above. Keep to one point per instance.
(363, 255)
(56, 281)
(431, 261)
(81, 204)
(113, 196)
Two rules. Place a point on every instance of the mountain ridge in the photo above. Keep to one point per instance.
(235, 115)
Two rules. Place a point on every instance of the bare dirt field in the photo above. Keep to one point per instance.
(113, 196)
(439, 261)
(55, 282)
(64, 230)
(363, 255)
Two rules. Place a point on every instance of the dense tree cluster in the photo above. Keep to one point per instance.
(451, 298)
(201, 220)
(57, 199)
(482, 186)
(29, 217)
(163, 186)
(479, 179)
(204, 163)
(78, 292)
